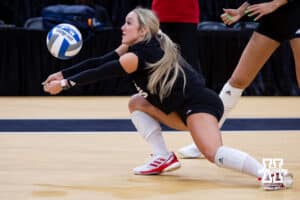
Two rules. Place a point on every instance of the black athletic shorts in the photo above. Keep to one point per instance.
(203, 100)
(283, 24)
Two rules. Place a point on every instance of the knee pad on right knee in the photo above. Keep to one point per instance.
(145, 124)
(136, 102)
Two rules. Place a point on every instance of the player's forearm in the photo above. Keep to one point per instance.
(279, 3)
(89, 63)
(108, 70)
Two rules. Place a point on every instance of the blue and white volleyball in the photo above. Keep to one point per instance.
(64, 41)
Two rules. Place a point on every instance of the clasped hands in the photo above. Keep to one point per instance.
(52, 84)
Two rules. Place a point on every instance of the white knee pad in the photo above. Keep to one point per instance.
(145, 124)
(230, 158)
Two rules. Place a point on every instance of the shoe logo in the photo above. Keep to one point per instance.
(228, 92)
(298, 31)
(220, 160)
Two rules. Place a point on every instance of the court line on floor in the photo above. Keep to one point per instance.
(125, 125)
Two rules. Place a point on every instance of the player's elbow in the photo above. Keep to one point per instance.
(129, 62)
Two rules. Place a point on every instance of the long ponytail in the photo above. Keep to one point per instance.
(164, 73)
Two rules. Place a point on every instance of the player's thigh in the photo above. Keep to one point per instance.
(206, 133)
(295, 45)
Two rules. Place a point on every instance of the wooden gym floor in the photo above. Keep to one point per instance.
(97, 165)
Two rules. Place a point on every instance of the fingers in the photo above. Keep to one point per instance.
(226, 18)
(255, 10)
(223, 17)
(226, 10)
(48, 80)
(253, 7)
(254, 13)
(45, 88)
(52, 87)
(258, 17)
(45, 82)
(53, 77)
(230, 16)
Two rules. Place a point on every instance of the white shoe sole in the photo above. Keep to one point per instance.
(172, 167)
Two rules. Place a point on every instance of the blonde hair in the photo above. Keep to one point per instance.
(164, 72)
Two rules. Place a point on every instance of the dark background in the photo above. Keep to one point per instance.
(25, 61)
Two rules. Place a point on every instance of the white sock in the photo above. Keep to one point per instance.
(237, 160)
(230, 97)
(150, 130)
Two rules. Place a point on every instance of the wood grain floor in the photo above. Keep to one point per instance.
(97, 165)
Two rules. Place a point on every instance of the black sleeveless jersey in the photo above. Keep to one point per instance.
(151, 52)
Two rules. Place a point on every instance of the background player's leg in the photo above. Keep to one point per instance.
(295, 44)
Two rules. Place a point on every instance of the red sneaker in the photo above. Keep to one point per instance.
(158, 164)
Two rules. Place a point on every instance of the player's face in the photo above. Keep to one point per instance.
(131, 32)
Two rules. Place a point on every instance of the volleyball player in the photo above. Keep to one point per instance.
(169, 91)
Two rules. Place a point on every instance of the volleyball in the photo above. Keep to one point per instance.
(64, 41)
